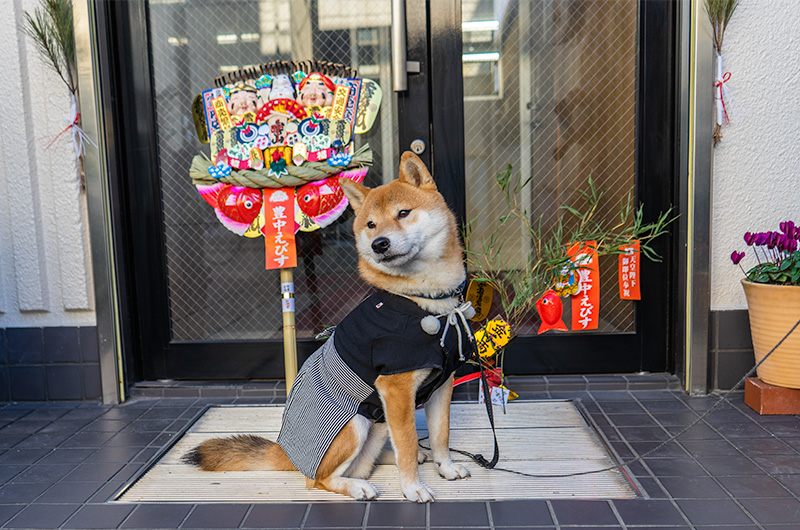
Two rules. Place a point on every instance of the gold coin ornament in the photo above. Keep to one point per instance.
(480, 294)
(492, 337)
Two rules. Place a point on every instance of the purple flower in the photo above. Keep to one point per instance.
(761, 238)
(736, 257)
(772, 240)
(782, 241)
(749, 238)
(783, 227)
(791, 246)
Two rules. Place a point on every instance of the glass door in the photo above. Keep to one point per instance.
(554, 89)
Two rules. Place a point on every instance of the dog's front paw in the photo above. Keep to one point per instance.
(452, 471)
(361, 490)
(418, 492)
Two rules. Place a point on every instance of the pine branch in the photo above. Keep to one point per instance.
(50, 27)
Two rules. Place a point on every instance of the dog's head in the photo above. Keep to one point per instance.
(404, 227)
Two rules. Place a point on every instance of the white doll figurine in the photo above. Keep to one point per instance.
(282, 87)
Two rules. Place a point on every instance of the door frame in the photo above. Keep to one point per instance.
(434, 115)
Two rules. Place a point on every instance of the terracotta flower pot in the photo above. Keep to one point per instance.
(773, 310)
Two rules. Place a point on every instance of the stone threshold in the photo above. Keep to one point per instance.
(527, 386)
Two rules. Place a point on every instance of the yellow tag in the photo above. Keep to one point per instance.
(305, 222)
(493, 336)
(511, 394)
(199, 116)
(221, 111)
(339, 101)
(247, 117)
(254, 230)
(340, 130)
(369, 102)
(480, 294)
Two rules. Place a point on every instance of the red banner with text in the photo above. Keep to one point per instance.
(279, 228)
(586, 301)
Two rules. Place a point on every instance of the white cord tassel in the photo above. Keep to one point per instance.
(463, 312)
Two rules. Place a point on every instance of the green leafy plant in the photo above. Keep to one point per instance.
(520, 282)
(777, 255)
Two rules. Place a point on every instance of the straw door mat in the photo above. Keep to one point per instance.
(542, 437)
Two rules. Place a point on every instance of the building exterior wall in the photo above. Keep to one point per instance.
(45, 277)
(756, 182)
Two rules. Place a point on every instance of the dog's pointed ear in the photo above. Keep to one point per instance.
(414, 172)
(355, 192)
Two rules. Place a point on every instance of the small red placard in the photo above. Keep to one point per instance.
(629, 273)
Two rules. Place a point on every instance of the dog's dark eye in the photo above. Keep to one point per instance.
(370, 224)
(403, 213)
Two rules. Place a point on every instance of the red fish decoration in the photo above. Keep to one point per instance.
(550, 309)
(236, 206)
(317, 198)
(323, 201)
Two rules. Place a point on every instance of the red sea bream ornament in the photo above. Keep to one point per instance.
(321, 203)
(550, 309)
(236, 206)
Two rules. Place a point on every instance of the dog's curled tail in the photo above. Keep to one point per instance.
(243, 452)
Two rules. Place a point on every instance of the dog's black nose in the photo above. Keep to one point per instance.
(380, 245)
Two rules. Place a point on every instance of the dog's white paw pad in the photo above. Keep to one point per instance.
(361, 490)
(418, 492)
(452, 471)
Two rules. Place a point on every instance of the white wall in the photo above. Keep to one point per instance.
(45, 277)
(757, 165)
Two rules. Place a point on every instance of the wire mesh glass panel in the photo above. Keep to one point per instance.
(218, 287)
(550, 88)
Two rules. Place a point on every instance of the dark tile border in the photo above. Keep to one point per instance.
(730, 348)
(49, 364)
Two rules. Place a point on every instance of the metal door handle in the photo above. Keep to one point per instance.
(399, 68)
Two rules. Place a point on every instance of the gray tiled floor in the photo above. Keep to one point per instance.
(61, 462)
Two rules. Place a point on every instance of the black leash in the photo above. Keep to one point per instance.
(480, 460)
(487, 399)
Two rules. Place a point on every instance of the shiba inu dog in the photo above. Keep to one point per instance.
(398, 349)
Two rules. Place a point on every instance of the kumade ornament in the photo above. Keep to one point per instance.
(285, 126)
(282, 125)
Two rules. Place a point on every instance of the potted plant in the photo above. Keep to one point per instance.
(772, 289)
(523, 282)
